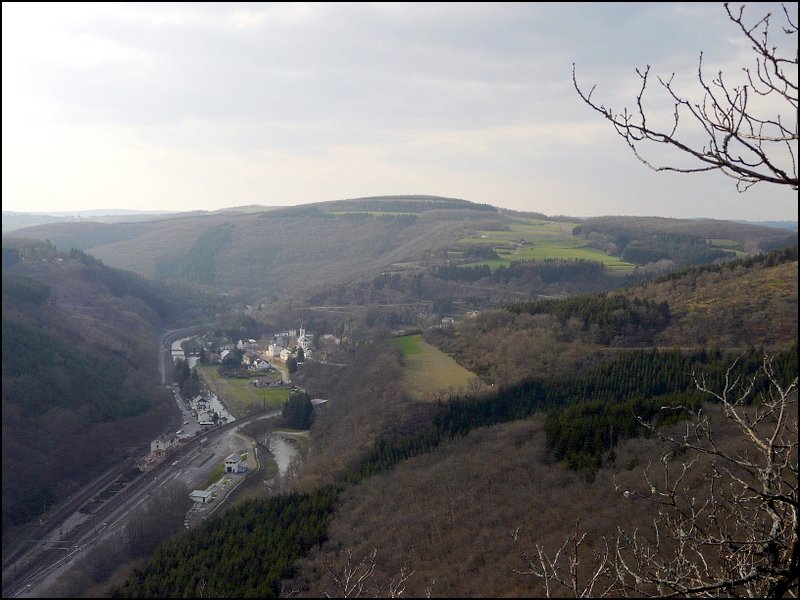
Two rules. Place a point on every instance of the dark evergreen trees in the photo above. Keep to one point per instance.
(298, 410)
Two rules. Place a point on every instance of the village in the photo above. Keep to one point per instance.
(266, 364)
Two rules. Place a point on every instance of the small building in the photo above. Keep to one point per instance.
(233, 464)
(201, 496)
(261, 365)
(160, 445)
(285, 354)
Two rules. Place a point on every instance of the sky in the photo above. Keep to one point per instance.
(178, 107)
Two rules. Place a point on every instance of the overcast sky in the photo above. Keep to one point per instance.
(204, 106)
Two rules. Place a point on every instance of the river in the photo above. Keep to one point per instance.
(284, 449)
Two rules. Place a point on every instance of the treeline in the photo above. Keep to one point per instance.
(607, 315)
(589, 414)
(244, 553)
(405, 204)
(643, 247)
(765, 259)
(549, 270)
(685, 250)
(456, 273)
(400, 219)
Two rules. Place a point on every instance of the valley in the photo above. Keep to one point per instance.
(483, 373)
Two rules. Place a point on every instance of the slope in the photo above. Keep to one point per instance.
(80, 384)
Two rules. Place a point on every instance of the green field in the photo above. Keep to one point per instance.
(428, 370)
(729, 245)
(239, 395)
(535, 239)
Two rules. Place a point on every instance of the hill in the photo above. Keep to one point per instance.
(256, 255)
(80, 385)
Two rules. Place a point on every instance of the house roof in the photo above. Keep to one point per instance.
(235, 457)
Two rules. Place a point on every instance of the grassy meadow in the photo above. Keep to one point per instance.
(536, 239)
(239, 395)
(429, 370)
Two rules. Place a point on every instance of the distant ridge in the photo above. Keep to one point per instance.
(14, 220)
(790, 225)
(405, 203)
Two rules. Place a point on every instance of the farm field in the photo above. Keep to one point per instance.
(731, 246)
(429, 370)
(239, 395)
(534, 239)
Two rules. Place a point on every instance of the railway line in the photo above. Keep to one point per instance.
(91, 512)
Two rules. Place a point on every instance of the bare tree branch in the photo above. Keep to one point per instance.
(357, 580)
(724, 131)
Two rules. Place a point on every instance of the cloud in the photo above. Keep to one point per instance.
(203, 105)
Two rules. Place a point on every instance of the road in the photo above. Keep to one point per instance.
(165, 354)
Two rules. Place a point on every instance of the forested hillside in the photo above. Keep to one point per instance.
(260, 254)
(428, 494)
(729, 305)
(80, 384)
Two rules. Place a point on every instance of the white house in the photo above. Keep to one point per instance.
(233, 464)
(285, 354)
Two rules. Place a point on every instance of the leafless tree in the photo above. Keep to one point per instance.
(739, 537)
(564, 568)
(746, 131)
(357, 579)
